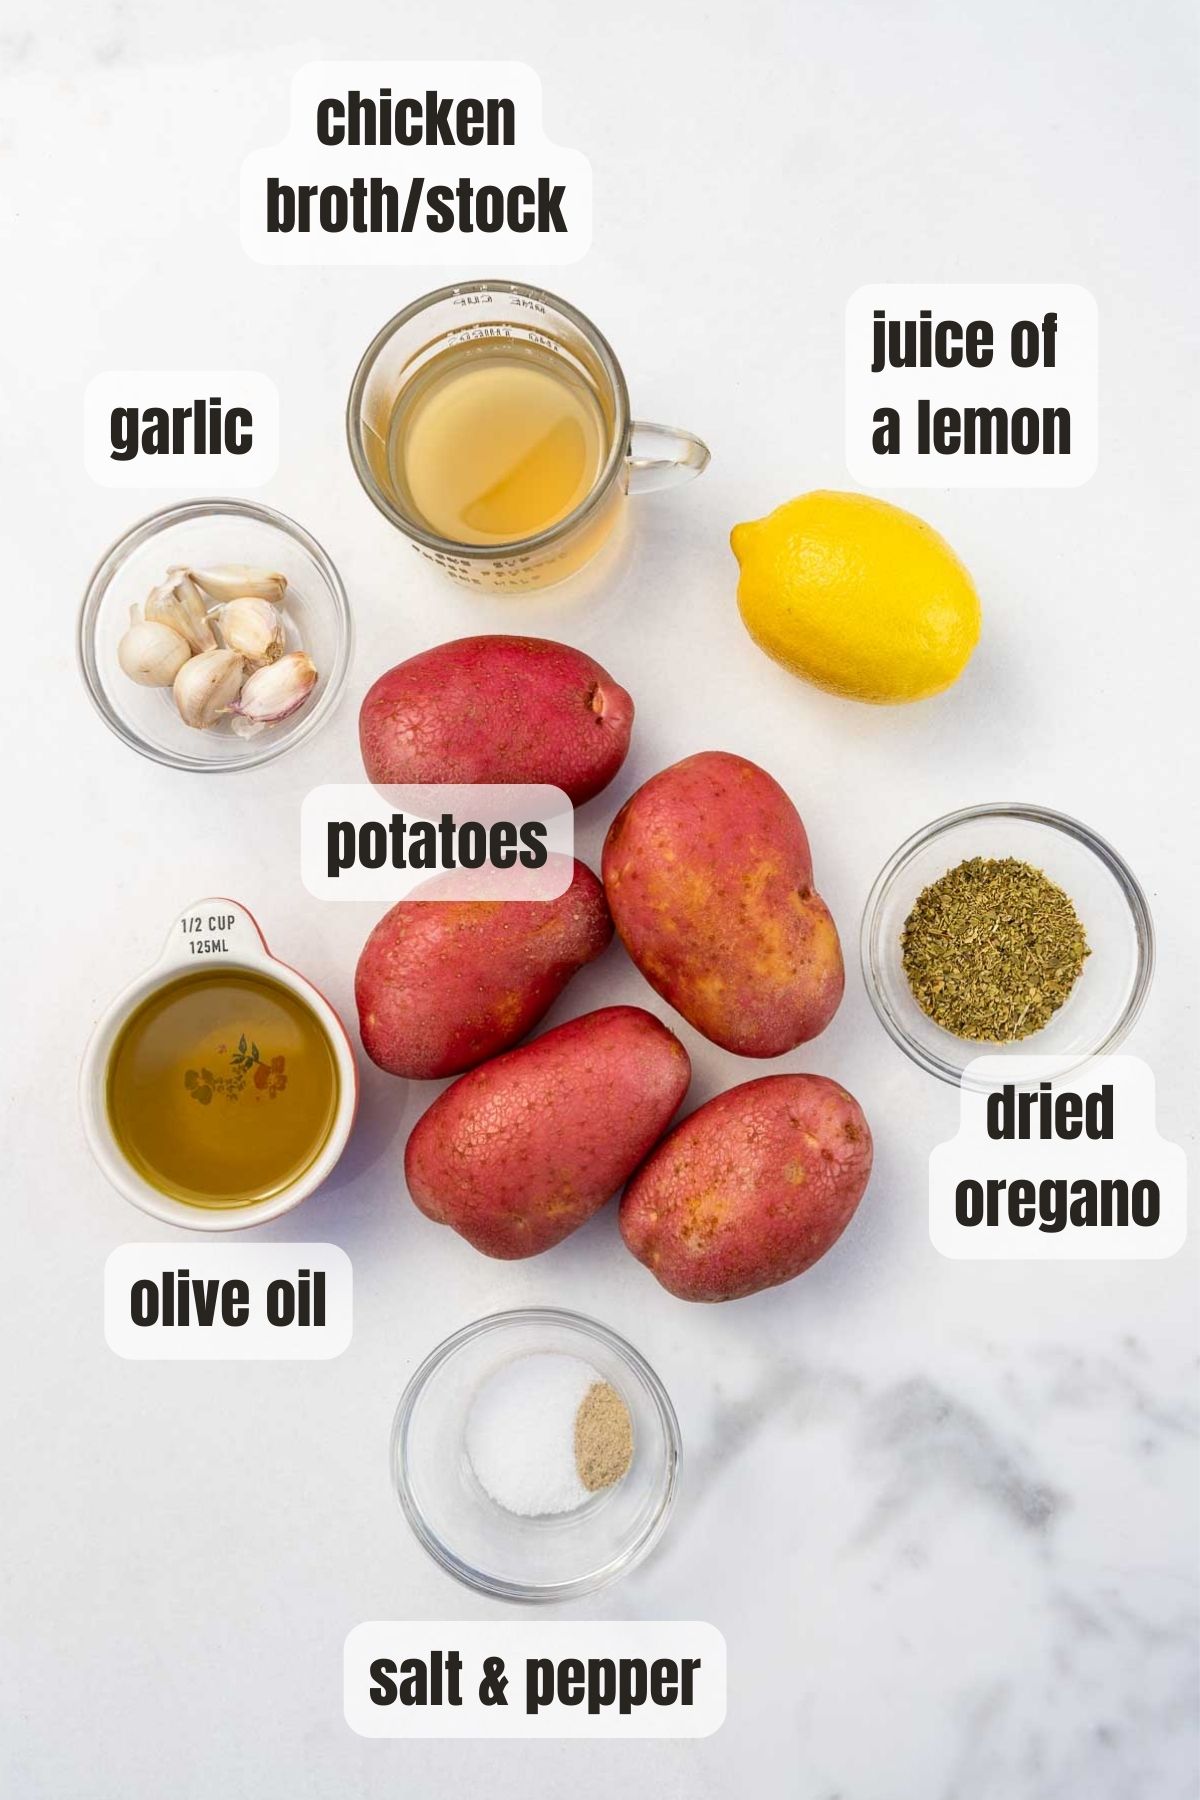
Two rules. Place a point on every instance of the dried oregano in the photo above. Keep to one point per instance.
(992, 949)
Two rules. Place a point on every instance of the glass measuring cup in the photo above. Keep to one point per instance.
(639, 457)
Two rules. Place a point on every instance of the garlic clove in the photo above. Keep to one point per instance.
(178, 602)
(274, 693)
(238, 581)
(207, 686)
(152, 654)
(253, 628)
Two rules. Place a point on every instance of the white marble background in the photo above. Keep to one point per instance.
(945, 1514)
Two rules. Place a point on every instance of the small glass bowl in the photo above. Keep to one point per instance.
(496, 1552)
(1112, 908)
(200, 533)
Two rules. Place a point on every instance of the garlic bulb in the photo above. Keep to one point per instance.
(253, 628)
(274, 693)
(179, 603)
(238, 581)
(152, 654)
(208, 685)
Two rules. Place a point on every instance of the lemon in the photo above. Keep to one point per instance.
(860, 597)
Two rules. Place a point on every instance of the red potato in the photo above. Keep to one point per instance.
(518, 1154)
(443, 984)
(710, 884)
(497, 709)
(751, 1189)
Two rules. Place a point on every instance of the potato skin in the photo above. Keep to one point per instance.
(751, 1189)
(443, 984)
(709, 881)
(500, 709)
(519, 1153)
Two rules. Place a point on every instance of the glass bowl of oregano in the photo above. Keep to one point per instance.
(1002, 930)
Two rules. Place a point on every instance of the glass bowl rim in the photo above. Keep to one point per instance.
(141, 532)
(499, 1587)
(1128, 884)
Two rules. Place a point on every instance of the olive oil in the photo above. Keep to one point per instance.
(493, 442)
(222, 1088)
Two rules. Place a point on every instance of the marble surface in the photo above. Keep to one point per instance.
(945, 1514)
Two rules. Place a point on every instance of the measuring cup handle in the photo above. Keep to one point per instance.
(659, 456)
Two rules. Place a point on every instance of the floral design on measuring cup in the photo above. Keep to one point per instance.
(246, 1063)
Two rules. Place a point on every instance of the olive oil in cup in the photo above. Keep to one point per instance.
(219, 1090)
(222, 1088)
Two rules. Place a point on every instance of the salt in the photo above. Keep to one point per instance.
(520, 1433)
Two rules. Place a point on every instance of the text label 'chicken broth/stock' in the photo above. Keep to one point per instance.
(414, 202)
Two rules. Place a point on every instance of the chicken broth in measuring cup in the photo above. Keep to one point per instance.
(490, 423)
(493, 442)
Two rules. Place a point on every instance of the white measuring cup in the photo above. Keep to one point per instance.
(211, 934)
